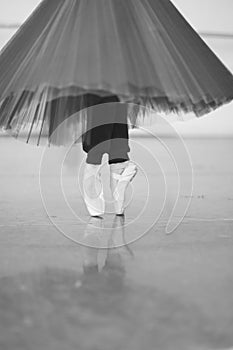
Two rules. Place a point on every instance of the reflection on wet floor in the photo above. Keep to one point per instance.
(100, 255)
(100, 308)
(160, 292)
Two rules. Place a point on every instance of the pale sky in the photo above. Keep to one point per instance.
(203, 15)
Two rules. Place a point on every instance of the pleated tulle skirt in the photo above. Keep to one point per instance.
(143, 51)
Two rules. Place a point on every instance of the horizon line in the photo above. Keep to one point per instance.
(220, 35)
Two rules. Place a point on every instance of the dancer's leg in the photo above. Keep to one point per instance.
(96, 142)
(122, 170)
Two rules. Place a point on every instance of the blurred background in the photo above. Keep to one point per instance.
(211, 19)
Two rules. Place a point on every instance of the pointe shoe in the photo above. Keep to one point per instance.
(120, 182)
(94, 199)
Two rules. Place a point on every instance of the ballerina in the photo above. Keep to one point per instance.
(71, 55)
(109, 136)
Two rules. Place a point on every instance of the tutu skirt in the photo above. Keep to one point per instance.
(143, 51)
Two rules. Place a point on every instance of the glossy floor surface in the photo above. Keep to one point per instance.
(71, 282)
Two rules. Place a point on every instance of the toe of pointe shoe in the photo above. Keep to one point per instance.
(95, 207)
(94, 211)
(119, 209)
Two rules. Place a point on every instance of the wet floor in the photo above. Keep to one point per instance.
(162, 291)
